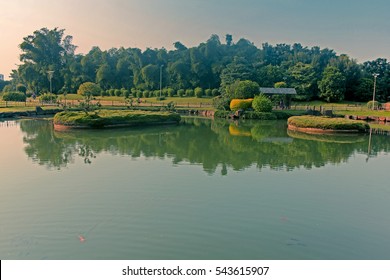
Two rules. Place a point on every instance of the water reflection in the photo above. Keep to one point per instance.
(212, 144)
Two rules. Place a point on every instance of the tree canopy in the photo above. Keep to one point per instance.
(210, 65)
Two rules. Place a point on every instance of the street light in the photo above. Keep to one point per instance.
(50, 73)
(161, 67)
(373, 95)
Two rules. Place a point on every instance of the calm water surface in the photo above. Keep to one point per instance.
(201, 190)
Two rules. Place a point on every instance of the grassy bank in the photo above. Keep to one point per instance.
(107, 118)
(251, 115)
(336, 124)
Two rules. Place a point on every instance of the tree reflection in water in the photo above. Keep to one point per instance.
(212, 143)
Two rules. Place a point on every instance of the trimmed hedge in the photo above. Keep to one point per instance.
(14, 96)
(236, 104)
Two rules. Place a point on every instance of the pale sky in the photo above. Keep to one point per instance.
(359, 28)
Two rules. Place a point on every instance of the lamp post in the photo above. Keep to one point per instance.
(161, 67)
(373, 95)
(50, 73)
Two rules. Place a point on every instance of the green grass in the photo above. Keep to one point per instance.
(326, 104)
(16, 109)
(328, 123)
(24, 109)
(374, 113)
(114, 117)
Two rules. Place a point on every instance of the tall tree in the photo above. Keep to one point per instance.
(332, 85)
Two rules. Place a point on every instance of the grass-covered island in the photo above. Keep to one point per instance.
(312, 124)
(112, 118)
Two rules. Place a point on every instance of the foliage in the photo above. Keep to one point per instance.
(260, 115)
(114, 117)
(262, 103)
(181, 92)
(171, 92)
(198, 92)
(328, 123)
(332, 85)
(221, 102)
(89, 88)
(14, 96)
(246, 89)
(189, 92)
(21, 88)
(280, 85)
(374, 105)
(211, 64)
(48, 98)
(236, 104)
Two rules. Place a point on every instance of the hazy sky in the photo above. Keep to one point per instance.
(359, 28)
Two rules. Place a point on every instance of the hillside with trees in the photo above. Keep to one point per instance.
(207, 69)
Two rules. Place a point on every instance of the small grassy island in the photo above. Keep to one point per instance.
(112, 118)
(312, 124)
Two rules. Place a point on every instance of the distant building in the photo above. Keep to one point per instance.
(1, 77)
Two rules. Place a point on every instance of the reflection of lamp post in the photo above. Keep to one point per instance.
(161, 67)
(50, 73)
(369, 146)
(373, 95)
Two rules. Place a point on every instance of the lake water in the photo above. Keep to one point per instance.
(201, 190)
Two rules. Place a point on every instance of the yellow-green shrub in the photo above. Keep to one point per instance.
(237, 104)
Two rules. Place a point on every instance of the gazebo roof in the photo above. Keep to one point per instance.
(278, 90)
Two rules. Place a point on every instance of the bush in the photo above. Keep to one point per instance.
(262, 103)
(215, 92)
(189, 92)
(221, 102)
(117, 92)
(111, 92)
(260, 115)
(199, 92)
(246, 89)
(146, 94)
(171, 92)
(237, 104)
(21, 88)
(125, 92)
(138, 94)
(160, 98)
(48, 98)
(14, 96)
(208, 92)
(89, 88)
(377, 105)
(180, 92)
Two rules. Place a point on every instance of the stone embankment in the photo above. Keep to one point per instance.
(368, 118)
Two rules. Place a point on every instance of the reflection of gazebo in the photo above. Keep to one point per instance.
(286, 93)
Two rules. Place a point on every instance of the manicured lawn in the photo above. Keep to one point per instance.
(374, 113)
(16, 109)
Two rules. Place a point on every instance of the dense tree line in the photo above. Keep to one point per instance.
(212, 65)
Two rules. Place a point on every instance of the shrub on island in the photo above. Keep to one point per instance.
(113, 118)
(324, 124)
